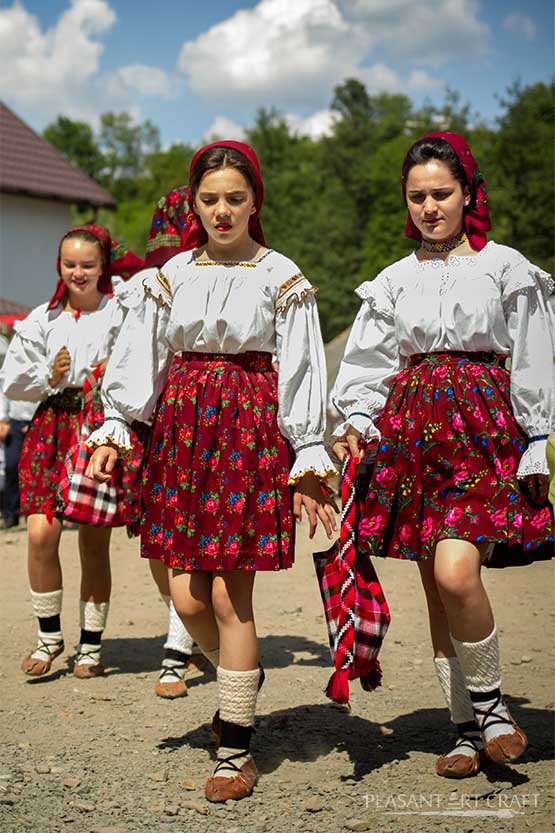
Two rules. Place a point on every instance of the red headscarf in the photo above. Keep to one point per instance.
(116, 260)
(195, 235)
(168, 224)
(476, 219)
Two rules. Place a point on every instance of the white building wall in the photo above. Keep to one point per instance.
(30, 231)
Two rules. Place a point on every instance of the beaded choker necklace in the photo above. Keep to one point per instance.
(445, 245)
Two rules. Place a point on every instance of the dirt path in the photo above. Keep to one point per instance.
(107, 756)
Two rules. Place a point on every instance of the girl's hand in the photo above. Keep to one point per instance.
(4, 431)
(60, 366)
(317, 504)
(348, 443)
(101, 465)
(537, 487)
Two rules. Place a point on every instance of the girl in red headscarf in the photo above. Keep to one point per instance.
(55, 350)
(460, 477)
(218, 495)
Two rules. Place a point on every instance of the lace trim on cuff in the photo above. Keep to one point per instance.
(533, 461)
(315, 459)
(115, 436)
(295, 290)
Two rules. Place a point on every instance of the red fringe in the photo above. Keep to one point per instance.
(373, 679)
(338, 687)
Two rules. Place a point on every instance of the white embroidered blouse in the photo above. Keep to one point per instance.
(223, 307)
(38, 338)
(494, 301)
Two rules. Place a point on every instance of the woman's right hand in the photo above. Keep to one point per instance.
(60, 366)
(348, 444)
(102, 463)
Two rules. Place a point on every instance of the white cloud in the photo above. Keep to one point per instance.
(292, 54)
(47, 72)
(421, 81)
(430, 34)
(520, 24)
(316, 125)
(143, 79)
(224, 128)
(278, 52)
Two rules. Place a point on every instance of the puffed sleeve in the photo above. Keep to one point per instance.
(370, 362)
(301, 378)
(531, 325)
(25, 371)
(138, 366)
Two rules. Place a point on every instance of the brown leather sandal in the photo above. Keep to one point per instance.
(36, 667)
(239, 786)
(457, 765)
(504, 748)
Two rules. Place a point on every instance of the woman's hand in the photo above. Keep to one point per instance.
(317, 504)
(60, 366)
(348, 444)
(101, 465)
(537, 487)
(4, 430)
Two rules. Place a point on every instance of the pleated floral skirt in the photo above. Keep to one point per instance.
(215, 494)
(446, 465)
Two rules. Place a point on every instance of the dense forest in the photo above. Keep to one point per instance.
(334, 204)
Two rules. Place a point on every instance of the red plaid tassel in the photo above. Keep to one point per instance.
(357, 613)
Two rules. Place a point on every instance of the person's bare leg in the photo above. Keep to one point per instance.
(462, 761)
(474, 637)
(45, 579)
(178, 646)
(96, 586)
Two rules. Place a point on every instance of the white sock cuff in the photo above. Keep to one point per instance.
(238, 692)
(47, 604)
(93, 615)
(179, 638)
(451, 680)
(480, 662)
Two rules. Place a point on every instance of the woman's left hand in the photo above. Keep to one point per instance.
(537, 487)
(317, 504)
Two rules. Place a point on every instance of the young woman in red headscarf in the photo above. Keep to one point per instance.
(54, 350)
(460, 477)
(217, 488)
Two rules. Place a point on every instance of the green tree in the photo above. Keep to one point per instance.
(76, 140)
(526, 169)
(125, 147)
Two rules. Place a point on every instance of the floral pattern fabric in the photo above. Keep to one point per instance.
(446, 464)
(215, 493)
(49, 440)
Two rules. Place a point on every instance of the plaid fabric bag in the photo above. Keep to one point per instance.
(357, 613)
(84, 500)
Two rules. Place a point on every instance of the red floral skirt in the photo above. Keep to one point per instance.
(49, 440)
(446, 465)
(215, 493)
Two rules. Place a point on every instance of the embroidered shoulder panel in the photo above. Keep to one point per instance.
(295, 290)
(158, 289)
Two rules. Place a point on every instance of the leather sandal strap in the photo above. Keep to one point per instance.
(48, 648)
(490, 717)
(173, 671)
(84, 654)
(228, 762)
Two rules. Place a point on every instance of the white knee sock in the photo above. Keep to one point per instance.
(238, 692)
(44, 606)
(92, 617)
(480, 665)
(458, 700)
(179, 638)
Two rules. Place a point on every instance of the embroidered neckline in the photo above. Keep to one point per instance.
(248, 264)
(452, 259)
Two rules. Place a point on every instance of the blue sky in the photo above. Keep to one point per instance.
(195, 69)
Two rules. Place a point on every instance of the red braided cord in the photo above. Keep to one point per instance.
(345, 636)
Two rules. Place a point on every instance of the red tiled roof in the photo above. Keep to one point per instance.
(31, 165)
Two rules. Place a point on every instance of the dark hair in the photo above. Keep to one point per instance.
(81, 234)
(221, 157)
(436, 148)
